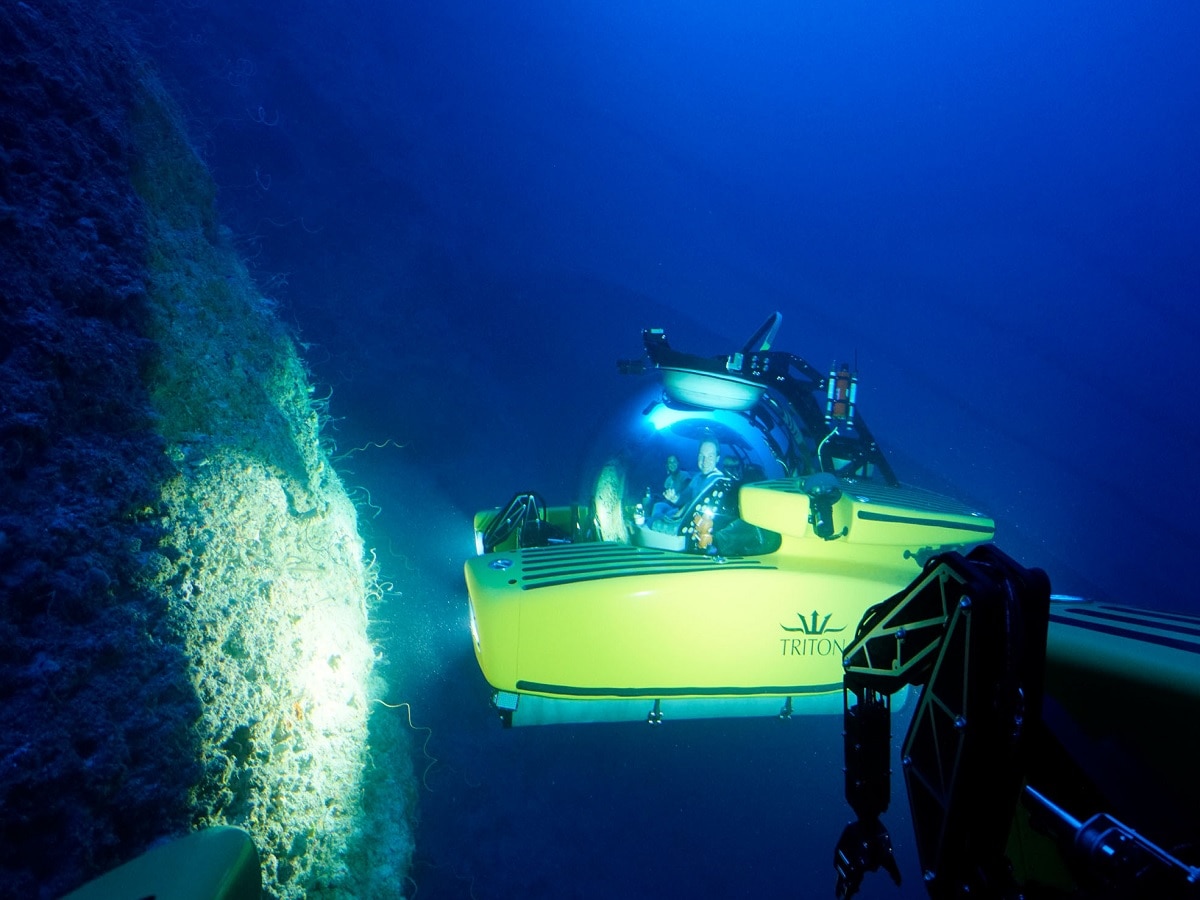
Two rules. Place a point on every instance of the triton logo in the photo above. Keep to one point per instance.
(813, 644)
(813, 627)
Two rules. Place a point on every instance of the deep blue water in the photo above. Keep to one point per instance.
(470, 210)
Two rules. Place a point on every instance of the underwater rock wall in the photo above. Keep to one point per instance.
(184, 595)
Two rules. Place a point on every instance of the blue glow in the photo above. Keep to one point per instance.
(664, 417)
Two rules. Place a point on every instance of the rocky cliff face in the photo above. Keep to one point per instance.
(184, 595)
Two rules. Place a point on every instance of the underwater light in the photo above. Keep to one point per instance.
(663, 417)
(331, 673)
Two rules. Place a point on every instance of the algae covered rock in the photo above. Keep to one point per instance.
(184, 594)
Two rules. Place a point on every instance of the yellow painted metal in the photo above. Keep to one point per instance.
(892, 518)
(1129, 681)
(217, 863)
(610, 620)
(1148, 651)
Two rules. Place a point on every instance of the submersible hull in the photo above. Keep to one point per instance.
(607, 631)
